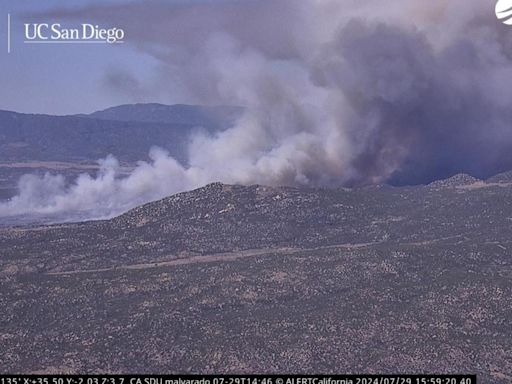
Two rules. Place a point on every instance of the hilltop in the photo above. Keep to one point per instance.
(223, 218)
(247, 279)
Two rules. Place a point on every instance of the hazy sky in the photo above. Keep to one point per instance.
(63, 79)
(165, 38)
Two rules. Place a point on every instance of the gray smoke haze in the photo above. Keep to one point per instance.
(337, 93)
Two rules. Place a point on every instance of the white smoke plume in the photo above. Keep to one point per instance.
(337, 92)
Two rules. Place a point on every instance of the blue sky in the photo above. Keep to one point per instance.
(62, 79)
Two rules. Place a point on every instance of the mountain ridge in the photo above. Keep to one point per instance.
(41, 137)
(200, 115)
(220, 218)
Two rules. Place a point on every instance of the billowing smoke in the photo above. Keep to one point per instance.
(337, 92)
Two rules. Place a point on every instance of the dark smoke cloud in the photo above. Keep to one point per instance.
(337, 92)
(427, 113)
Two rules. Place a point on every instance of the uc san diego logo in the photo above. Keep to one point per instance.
(504, 11)
(87, 33)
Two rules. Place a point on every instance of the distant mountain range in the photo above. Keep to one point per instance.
(214, 117)
(126, 131)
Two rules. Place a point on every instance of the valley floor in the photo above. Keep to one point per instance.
(440, 307)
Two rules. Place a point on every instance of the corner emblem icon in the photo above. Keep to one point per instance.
(504, 11)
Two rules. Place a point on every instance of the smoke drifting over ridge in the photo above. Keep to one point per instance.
(337, 92)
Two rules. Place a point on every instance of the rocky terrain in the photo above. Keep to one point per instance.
(244, 279)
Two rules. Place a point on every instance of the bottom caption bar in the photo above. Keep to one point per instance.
(238, 379)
